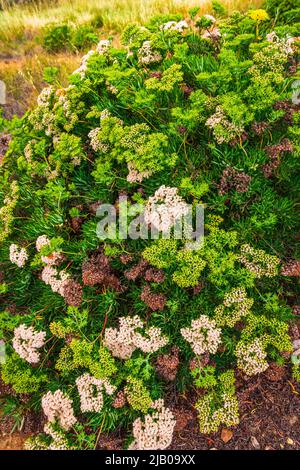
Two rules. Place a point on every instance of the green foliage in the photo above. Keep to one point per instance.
(21, 376)
(211, 118)
(204, 377)
(57, 37)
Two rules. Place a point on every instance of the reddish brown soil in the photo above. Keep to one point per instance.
(269, 419)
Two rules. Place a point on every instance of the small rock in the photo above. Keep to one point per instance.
(255, 442)
(290, 441)
(293, 420)
(226, 435)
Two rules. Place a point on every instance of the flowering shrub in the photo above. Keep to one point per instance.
(188, 111)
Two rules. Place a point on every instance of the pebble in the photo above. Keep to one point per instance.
(255, 442)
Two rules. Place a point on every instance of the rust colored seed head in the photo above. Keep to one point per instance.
(167, 364)
(153, 300)
(72, 293)
(97, 270)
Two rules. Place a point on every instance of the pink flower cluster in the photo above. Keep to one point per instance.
(134, 176)
(90, 391)
(203, 335)
(123, 341)
(164, 208)
(58, 406)
(27, 341)
(55, 258)
(285, 45)
(17, 256)
(156, 432)
(56, 280)
(147, 55)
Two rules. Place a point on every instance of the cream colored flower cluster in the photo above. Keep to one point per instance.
(58, 406)
(103, 46)
(251, 358)
(134, 176)
(17, 255)
(227, 414)
(123, 341)
(156, 432)
(90, 391)
(219, 120)
(179, 26)
(59, 440)
(164, 208)
(83, 65)
(236, 305)
(147, 55)
(27, 341)
(258, 262)
(203, 335)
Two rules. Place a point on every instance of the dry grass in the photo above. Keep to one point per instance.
(24, 77)
(22, 60)
(115, 13)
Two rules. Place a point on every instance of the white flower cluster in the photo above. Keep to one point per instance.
(156, 432)
(123, 341)
(251, 358)
(164, 208)
(45, 96)
(285, 45)
(27, 341)
(58, 406)
(179, 26)
(103, 46)
(17, 255)
(226, 414)
(43, 117)
(83, 65)
(90, 391)
(147, 55)
(203, 335)
(210, 17)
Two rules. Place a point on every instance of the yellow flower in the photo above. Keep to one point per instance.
(258, 15)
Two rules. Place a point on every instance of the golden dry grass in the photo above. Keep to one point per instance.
(115, 13)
